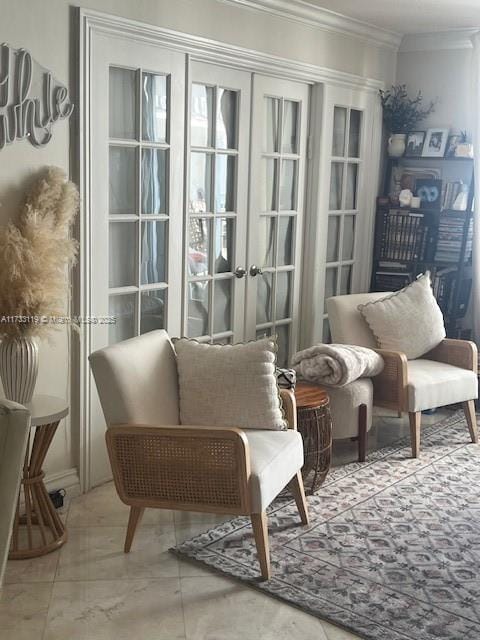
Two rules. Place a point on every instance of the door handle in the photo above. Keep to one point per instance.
(239, 272)
(255, 271)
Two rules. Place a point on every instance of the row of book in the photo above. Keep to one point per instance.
(392, 276)
(403, 236)
(450, 192)
(450, 239)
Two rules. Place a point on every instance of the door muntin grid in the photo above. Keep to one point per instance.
(212, 211)
(343, 206)
(139, 207)
(277, 222)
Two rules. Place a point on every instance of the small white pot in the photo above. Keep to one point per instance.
(396, 145)
(19, 368)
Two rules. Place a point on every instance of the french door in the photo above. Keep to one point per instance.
(137, 206)
(277, 189)
(197, 204)
(216, 208)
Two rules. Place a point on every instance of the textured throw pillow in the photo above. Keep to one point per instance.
(409, 320)
(229, 385)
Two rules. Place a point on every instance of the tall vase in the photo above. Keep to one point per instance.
(396, 145)
(19, 368)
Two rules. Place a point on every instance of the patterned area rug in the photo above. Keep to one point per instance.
(393, 548)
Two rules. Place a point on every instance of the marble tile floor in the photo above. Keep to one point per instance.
(91, 590)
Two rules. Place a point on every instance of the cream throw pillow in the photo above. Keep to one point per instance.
(229, 385)
(409, 320)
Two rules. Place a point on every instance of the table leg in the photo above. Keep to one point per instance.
(40, 515)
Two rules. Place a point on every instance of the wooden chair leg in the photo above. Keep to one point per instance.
(362, 432)
(469, 411)
(296, 487)
(133, 520)
(260, 531)
(415, 420)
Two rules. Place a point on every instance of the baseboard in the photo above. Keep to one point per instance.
(67, 479)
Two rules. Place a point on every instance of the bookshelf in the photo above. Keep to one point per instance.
(409, 241)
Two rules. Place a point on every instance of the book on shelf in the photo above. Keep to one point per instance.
(450, 238)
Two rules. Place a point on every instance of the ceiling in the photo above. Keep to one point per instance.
(409, 16)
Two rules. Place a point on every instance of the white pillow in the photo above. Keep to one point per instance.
(409, 320)
(229, 385)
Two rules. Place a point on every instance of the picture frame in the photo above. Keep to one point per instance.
(435, 143)
(429, 191)
(452, 143)
(415, 143)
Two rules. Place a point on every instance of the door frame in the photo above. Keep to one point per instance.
(89, 24)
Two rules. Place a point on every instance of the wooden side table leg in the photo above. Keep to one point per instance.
(39, 510)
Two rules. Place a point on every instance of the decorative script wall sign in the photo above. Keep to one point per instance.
(31, 99)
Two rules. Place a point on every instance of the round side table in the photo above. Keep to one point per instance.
(315, 425)
(37, 527)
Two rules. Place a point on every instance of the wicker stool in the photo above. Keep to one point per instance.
(315, 425)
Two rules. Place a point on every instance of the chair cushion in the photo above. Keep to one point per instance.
(275, 457)
(229, 385)
(344, 404)
(409, 320)
(435, 384)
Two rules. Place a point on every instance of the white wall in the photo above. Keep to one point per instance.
(445, 75)
(43, 27)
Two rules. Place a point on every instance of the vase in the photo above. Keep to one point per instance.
(19, 368)
(396, 145)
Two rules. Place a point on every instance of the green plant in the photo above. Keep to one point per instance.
(402, 114)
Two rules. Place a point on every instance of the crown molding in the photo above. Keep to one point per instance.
(324, 19)
(207, 50)
(438, 40)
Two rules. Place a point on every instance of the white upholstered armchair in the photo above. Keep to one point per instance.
(158, 463)
(446, 375)
(14, 429)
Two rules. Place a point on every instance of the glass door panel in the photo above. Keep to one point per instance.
(280, 113)
(345, 169)
(216, 208)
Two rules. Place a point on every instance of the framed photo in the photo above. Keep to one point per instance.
(415, 141)
(430, 193)
(452, 145)
(435, 143)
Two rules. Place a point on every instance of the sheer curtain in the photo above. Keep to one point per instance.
(475, 303)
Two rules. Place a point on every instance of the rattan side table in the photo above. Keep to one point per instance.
(315, 425)
(37, 527)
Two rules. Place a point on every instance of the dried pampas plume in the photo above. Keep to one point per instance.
(35, 254)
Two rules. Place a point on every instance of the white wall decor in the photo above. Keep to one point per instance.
(31, 99)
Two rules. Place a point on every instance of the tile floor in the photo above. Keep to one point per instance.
(91, 590)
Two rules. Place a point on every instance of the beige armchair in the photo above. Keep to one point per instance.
(446, 375)
(158, 463)
(14, 430)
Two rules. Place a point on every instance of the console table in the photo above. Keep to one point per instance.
(37, 527)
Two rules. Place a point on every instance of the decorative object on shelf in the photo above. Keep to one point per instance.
(461, 201)
(401, 115)
(464, 149)
(415, 140)
(34, 254)
(396, 145)
(405, 197)
(31, 99)
(435, 143)
(429, 191)
(415, 202)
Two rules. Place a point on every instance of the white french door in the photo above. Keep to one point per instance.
(277, 189)
(342, 229)
(137, 154)
(217, 203)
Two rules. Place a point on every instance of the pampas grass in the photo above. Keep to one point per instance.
(34, 256)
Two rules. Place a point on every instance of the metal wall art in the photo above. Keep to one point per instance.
(31, 99)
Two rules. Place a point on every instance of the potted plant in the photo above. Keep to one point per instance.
(401, 115)
(34, 256)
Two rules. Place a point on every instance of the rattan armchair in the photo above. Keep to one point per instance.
(446, 375)
(157, 463)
